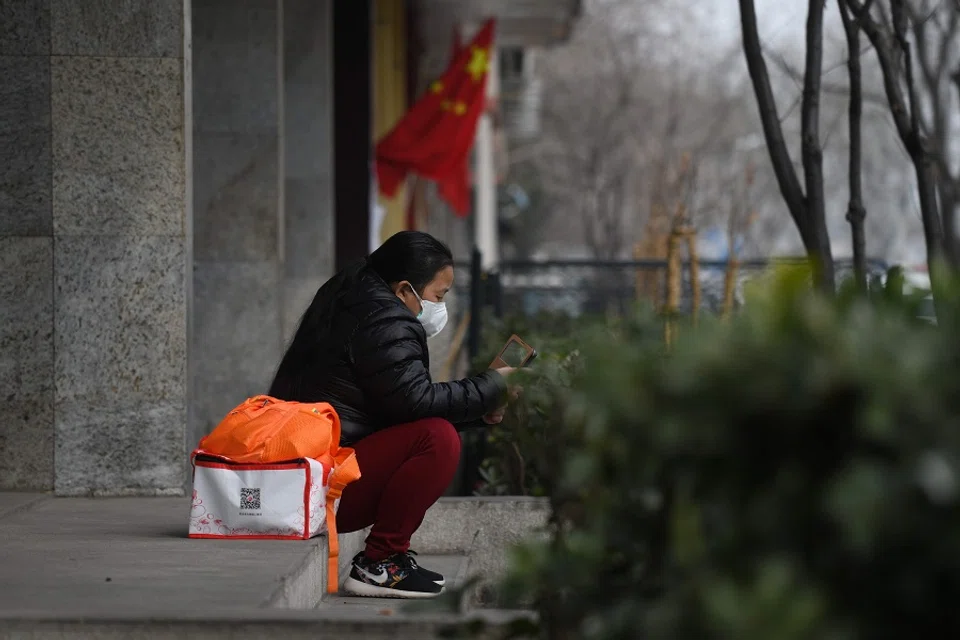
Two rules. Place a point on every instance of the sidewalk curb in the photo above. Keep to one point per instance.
(288, 624)
(304, 584)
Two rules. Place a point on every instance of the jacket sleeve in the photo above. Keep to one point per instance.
(387, 352)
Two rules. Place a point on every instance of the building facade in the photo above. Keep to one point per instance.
(177, 177)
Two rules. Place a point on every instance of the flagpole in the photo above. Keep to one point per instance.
(485, 222)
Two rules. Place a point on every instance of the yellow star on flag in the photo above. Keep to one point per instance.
(478, 64)
(460, 108)
(437, 86)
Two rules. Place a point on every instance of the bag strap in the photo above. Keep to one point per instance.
(261, 400)
(345, 470)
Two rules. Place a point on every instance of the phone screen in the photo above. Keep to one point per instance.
(514, 354)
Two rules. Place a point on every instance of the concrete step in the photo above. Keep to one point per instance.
(100, 556)
(112, 568)
(452, 567)
(255, 623)
(484, 529)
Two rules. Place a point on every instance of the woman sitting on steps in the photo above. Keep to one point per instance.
(362, 347)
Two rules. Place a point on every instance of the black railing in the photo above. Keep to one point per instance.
(586, 287)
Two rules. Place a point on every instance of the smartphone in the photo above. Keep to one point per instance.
(515, 354)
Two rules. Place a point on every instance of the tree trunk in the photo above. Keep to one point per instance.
(896, 63)
(948, 212)
(856, 214)
(918, 146)
(811, 151)
(951, 188)
(925, 168)
(807, 210)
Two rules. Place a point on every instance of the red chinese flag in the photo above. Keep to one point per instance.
(435, 136)
(455, 47)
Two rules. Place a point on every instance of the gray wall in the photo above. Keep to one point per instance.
(236, 124)
(262, 192)
(93, 246)
(308, 255)
(101, 251)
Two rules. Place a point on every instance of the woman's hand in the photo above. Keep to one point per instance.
(496, 417)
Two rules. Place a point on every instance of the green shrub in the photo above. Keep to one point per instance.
(791, 473)
(521, 452)
(517, 452)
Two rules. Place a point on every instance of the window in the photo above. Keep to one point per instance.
(511, 63)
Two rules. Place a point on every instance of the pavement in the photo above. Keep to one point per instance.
(103, 556)
(123, 568)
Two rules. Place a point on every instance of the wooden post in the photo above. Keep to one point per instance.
(654, 246)
(694, 254)
(730, 284)
(446, 372)
(674, 285)
(638, 273)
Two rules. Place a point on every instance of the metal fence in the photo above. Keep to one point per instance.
(594, 287)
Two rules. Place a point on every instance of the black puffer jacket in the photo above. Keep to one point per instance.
(377, 372)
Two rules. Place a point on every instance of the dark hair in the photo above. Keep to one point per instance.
(412, 256)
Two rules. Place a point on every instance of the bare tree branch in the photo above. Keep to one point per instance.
(893, 53)
(777, 146)
(812, 153)
(831, 88)
(807, 209)
(887, 55)
(856, 213)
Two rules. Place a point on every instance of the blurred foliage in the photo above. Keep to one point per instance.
(521, 451)
(517, 460)
(788, 474)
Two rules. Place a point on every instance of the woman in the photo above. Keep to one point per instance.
(362, 347)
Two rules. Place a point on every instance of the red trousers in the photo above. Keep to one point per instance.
(404, 470)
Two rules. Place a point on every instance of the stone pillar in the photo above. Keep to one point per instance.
(308, 155)
(120, 245)
(236, 341)
(26, 248)
(263, 190)
(93, 246)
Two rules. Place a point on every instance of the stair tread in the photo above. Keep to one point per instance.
(452, 567)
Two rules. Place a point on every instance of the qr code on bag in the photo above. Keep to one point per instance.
(249, 499)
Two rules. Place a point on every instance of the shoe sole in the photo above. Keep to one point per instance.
(357, 588)
(439, 583)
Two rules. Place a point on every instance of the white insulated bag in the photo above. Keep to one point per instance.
(292, 500)
(279, 501)
(273, 470)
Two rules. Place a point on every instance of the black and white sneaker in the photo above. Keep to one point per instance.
(396, 577)
(432, 576)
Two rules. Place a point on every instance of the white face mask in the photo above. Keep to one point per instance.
(433, 315)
